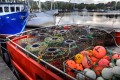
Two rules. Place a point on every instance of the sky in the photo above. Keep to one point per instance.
(82, 1)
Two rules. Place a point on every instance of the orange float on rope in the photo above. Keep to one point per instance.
(99, 52)
(71, 64)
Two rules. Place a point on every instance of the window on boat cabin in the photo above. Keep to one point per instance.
(1, 10)
(22, 8)
(12, 9)
(17, 9)
(6, 9)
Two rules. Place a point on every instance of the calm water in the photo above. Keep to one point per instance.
(90, 18)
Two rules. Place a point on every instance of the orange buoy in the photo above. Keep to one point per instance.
(78, 58)
(94, 60)
(107, 57)
(98, 69)
(71, 64)
(87, 62)
(99, 52)
(79, 67)
(103, 62)
(116, 56)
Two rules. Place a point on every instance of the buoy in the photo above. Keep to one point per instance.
(99, 52)
(107, 73)
(98, 69)
(78, 58)
(116, 70)
(94, 60)
(79, 76)
(103, 62)
(85, 70)
(107, 57)
(118, 62)
(87, 62)
(90, 53)
(91, 74)
(79, 67)
(71, 64)
(100, 78)
(116, 56)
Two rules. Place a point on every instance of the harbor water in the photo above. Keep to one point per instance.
(90, 18)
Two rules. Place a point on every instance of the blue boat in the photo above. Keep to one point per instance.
(13, 17)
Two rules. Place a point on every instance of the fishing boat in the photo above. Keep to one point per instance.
(13, 16)
(66, 52)
(36, 18)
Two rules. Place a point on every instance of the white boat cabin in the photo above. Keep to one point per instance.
(11, 7)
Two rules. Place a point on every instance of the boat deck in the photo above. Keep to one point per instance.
(5, 72)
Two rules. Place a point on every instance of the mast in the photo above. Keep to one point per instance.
(39, 5)
(52, 4)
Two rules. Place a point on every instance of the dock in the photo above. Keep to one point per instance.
(5, 72)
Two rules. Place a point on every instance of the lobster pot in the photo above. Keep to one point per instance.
(103, 37)
(55, 56)
(54, 41)
(109, 39)
(62, 33)
(42, 36)
(25, 41)
(43, 29)
(36, 48)
(71, 46)
(84, 42)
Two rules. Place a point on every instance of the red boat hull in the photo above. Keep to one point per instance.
(117, 37)
(29, 68)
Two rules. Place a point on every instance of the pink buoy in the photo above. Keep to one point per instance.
(103, 62)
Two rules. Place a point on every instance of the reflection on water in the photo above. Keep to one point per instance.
(106, 19)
